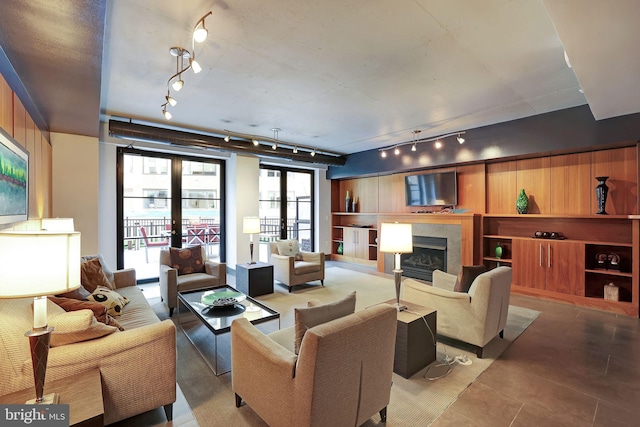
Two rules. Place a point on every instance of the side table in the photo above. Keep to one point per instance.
(82, 392)
(415, 344)
(254, 279)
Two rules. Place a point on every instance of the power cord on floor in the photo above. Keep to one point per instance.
(442, 369)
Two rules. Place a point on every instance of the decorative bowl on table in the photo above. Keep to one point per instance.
(222, 298)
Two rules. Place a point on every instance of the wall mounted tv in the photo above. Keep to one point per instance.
(434, 189)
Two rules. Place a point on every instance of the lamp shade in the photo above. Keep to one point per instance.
(396, 238)
(251, 225)
(58, 224)
(38, 263)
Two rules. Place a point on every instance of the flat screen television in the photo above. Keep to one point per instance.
(434, 189)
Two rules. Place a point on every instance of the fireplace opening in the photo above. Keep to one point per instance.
(429, 253)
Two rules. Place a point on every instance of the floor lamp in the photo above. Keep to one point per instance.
(396, 239)
(251, 226)
(58, 257)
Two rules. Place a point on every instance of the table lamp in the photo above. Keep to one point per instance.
(251, 226)
(57, 255)
(396, 239)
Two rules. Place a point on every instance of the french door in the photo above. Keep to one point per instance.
(167, 200)
(286, 207)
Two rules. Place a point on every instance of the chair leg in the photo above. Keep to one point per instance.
(322, 282)
(290, 289)
(238, 401)
(479, 352)
(501, 333)
(171, 312)
(383, 414)
(168, 411)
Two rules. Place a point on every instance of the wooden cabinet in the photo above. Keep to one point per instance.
(356, 242)
(568, 270)
(354, 238)
(555, 266)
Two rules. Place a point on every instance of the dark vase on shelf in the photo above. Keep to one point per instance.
(601, 194)
(347, 203)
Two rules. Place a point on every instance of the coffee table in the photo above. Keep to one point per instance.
(200, 320)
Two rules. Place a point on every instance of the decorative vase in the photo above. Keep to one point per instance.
(498, 251)
(354, 205)
(601, 194)
(347, 203)
(522, 203)
(340, 249)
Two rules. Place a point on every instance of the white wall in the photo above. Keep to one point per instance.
(75, 190)
(323, 212)
(107, 211)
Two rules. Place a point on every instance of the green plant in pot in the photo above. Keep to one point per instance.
(522, 203)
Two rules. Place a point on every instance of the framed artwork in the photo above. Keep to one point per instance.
(14, 180)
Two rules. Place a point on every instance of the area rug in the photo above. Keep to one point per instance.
(416, 401)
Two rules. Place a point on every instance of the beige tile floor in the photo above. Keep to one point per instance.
(572, 367)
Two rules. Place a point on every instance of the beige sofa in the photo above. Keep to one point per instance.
(475, 317)
(137, 365)
(170, 282)
(341, 377)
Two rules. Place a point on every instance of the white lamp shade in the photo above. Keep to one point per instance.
(38, 263)
(396, 238)
(58, 224)
(251, 225)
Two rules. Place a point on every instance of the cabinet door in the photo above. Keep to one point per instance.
(529, 263)
(349, 244)
(362, 243)
(565, 267)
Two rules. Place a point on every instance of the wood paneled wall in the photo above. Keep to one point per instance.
(559, 185)
(15, 121)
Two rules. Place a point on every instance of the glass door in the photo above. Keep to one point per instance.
(285, 207)
(167, 200)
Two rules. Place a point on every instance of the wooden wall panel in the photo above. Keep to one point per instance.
(365, 189)
(471, 188)
(46, 175)
(534, 176)
(571, 184)
(620, 165)
(391, 196)
(19, 122)
(6, 107)
(34, 166)
(501, 188)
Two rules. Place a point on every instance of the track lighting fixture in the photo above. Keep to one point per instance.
(313, 153)
(182, 54)
(295, 150)
(255, 142)
(416, 140)
(167, 115)
(275, 138)
(227, 138)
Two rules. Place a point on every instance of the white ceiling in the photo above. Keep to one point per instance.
(349, 76)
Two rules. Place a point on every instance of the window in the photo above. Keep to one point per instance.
(155, 199)
(153, 166)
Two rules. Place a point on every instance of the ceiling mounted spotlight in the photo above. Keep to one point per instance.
(438, 144)
(177, 85)
(295, 150)
(275, 138)
(170, 100)
(195, 66)
(199, 31)
(413, 147)
(227, 138)
(460, 139)
(383, 154)
(167, 115)
(313, 153)
(255, 142)
(396, 151)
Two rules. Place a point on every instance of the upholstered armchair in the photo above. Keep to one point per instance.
(215, 274)
(474, 317)
(293, 267)
(341, 376)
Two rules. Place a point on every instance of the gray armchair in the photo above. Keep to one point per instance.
(292, 272)
(475, 317)
(170, 282)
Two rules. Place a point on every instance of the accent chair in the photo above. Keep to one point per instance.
(293, 267)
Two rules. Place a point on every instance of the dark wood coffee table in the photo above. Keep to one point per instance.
(199, 321)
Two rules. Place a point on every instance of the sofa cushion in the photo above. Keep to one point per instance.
(466, 276)
(138, 312)
(187, 260)
(303, 267)
(105, 268)
(92, 275)
(78, 294)
(309, 317)
(111, 299)
(289, 248)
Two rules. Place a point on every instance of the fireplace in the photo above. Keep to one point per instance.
(429, 253)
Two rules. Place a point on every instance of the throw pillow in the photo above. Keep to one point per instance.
(105, 268)
(99, 310)
(111, 299)
(77, 326)
(466, 276)
(187, 260)
(92, 275)
(78, 294)
(309, 317)
(289, 248)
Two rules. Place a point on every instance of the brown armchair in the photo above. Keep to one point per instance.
(170, 282)
(291, 271)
